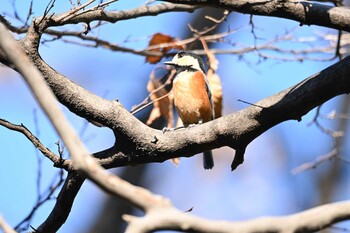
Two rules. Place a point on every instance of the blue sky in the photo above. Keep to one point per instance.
(263, 185)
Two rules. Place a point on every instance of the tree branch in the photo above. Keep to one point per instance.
(311, 220)
(304, 12)
(85, 164)
(57, 161)
(136, 142)
(99, 13)
(161, 215)
(64, 203)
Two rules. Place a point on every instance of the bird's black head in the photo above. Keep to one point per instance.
(187, 61)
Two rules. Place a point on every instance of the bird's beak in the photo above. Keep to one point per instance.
(170, 63)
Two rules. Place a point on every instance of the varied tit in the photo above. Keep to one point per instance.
(192, 96)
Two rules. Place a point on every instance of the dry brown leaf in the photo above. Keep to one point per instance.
(160, 38)
(162, 107)
(216, 91)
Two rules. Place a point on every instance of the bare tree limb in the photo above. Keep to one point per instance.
(140, 197)
(64, 203)
(36, 142)
(41, 91)
(69, 190)
(304, 12)
(296, 55)
(235, 130)
(291, 103)
(99, 13)
(42, 198)
(136, 144)
(311, 220)
(48, 102)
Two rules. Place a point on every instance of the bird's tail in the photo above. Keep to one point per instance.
(208, 161)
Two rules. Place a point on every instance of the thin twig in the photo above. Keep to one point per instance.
(51, 190)
(30, 12)
(316, 162)
(135, 109)
(33, 139)
(148, 104)
(71, 13)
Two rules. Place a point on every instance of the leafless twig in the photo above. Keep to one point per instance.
(33, 139)
(48, 194)
(43, 198)
(316, 162)
(335, 153)
(145, 103)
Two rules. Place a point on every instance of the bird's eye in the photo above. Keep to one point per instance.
(181, 54)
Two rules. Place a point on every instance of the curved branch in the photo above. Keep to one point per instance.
(57, 161)
(99, 13)
(80, 156)
(304, 12)
(311, 220)
(138, 143)
(235, 130)
(64, 203)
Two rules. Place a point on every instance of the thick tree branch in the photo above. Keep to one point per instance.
(80, 156)
(71, 186)
(138, 143)
(311, 220)
(304, 12)
(99, 13)
(64, 203)
(114, 16)
(261, 49)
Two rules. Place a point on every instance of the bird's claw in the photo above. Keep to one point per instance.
(193, 125)
(166, 129)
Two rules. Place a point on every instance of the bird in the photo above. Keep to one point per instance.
(192, 96)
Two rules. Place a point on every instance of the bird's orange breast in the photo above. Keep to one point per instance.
(191, 98)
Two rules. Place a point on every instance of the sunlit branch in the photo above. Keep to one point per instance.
(99, 13)
(304, 12)
(311, 220)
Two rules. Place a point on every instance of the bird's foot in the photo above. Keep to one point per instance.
(192, 125)
(166, 129)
